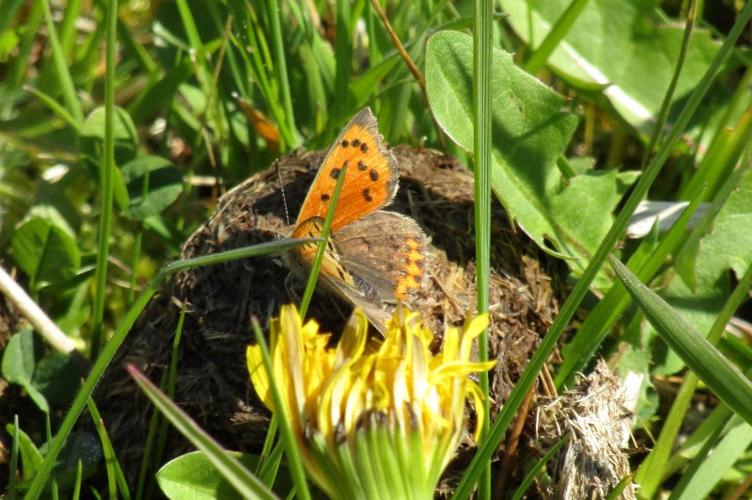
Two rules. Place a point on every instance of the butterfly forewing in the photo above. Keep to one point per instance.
(370, 181)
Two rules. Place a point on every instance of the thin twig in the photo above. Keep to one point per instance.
(31, 311)
(400, 48)
(513, 443)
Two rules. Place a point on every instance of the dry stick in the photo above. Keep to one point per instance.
(741, 490)
(409, 62)
(400, 48)
(42, 323)
(512, 444)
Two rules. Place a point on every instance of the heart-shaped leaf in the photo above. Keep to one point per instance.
(45, 251)
(153, 184)
(530, 133)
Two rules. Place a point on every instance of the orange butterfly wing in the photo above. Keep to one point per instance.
(372, 256)
(370, 181)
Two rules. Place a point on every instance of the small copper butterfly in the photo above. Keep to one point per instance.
(373, 256)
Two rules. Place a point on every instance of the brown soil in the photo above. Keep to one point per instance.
(212, 380)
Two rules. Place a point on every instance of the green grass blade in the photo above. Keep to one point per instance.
(280, 67)
(500, 425)
(135, 47)
(40, 479)
(271, 434)
(619, 488)
(343, 55)
(246, 483)
(702, 357)
(130, 318)
(65, 81)
(651, 471)
(269, 467)
(8, 9)
(313, 275)
(557, 33)
(715, 459)
(106, 182)
(18, 68)
(668, 98)
(79, 478)
(115, 477)
(270, 247)
(146, 461)
(293, 456)
(68, 27)
(482, 68)
(602, 318)
(55, 107)
(538, 467)
(13, 461)
(167, 381)
(112, 346)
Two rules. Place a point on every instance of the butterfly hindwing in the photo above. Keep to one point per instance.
(386, 250)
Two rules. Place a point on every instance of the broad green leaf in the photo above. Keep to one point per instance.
(721, 243)
(193, 476)
(18, 358)
(703, 358)
(626, 49)
(530, 132)
(18, 365)
(91, 136)
(46, 252)
(91, 142)
(57, 377)
(153, 184)
(634, 368)
(725, 242)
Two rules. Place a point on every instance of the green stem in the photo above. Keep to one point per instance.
(482, 68)
(557, 33)
(526, 381)
(106, 177)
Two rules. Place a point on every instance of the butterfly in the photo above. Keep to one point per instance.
(373, 256)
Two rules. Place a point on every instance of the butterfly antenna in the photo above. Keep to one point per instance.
(284, 198)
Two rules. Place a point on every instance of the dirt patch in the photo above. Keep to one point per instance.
(212, 380)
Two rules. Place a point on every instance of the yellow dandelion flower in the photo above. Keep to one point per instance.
(372, 418)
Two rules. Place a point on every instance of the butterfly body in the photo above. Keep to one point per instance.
(373, 256)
